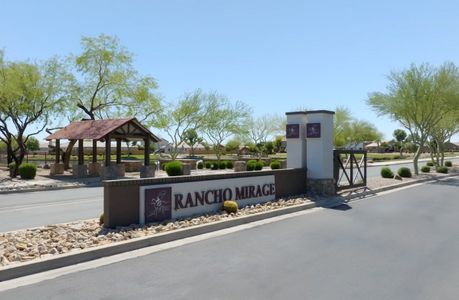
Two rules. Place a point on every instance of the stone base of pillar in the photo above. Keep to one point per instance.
(283, 164)
(79, 171)
(321, 187)
(186, 169)
(240, 166)
(56, 169)
(94, 169)
(147, 171)
(113, 171)
(121, 170)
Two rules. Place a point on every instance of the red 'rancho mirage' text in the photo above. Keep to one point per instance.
(213, 196)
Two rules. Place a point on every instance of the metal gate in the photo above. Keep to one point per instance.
(349, 172)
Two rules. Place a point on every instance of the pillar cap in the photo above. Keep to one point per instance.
(308, 112)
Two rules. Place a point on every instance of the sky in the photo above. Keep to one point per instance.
(276, 56)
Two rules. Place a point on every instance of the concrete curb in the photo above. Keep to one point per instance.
(63, 260)
(395, 186)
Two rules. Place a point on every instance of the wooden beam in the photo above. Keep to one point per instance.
(108, 151)
(58, 151)
(146, 151)
(94, 151)
(118, 151)
(80, 152)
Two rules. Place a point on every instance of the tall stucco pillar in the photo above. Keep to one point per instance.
(310, 145)
(296, 143)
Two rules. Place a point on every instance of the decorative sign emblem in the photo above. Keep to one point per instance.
(293, 131)
(158, 204)
(313, 130)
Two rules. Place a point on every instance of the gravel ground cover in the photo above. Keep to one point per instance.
(43, 242)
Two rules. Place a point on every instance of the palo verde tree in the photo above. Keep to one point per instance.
(263, 128)
(350, 132)
(30, 94)
(107, 85)
(418, 98)
(400, 137)
(224, 119)
(192, 138)
(441, 134)
(176, 120)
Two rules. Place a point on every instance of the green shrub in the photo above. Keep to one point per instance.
(251, 165)
(442, 169)
(275, 165)
(404, 172)
(208, 165)
(230, 206)
(425, 169)
(448, 163)
(430, 164)
(222, 165)
(101, 219)
(214, 165)
(259, 165)
(12, 166)
(28, 170)
(387, 173)
(229, 164)
(174, 168)
(200, 165)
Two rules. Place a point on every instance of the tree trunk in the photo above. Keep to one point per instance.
(67, 153)
(9, 154)
(191, 151)
(415, 160)
(442, 154)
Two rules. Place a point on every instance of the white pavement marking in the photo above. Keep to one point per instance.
(52, 274)
(48, 204)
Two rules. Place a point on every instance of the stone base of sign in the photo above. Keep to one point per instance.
(240, 166)
(147, 171)
(94, 169)
(79, 171)
(191, 162)
(121, 169)
(283, 164)
(132, 166)
(322, 187)
(186, 169)
(113, 171)
(56, 169)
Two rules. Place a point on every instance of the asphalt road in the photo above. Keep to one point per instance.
(400, 245)
(26, 210)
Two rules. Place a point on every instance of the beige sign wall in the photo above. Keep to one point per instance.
(172, 201)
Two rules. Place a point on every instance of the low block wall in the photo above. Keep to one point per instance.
(122, 197)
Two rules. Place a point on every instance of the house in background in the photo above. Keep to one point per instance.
(163, 146)
(452, 147)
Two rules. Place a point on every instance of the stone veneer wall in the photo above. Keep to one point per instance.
(121, 197)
